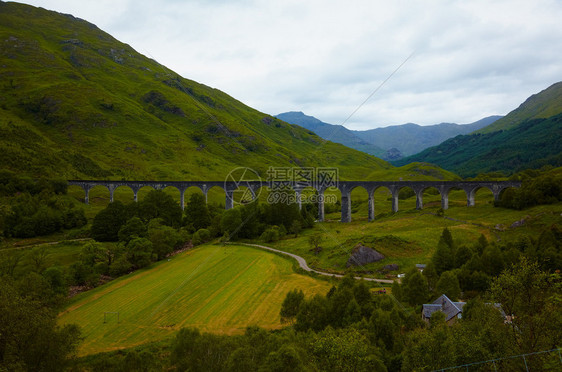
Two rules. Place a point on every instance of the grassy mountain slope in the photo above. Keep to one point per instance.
(407, 138)
(542, 105)
(531, 144)
(76, 103)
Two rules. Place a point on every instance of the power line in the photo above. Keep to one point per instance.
(504, 358)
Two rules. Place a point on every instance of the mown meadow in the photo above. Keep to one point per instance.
(218, 289)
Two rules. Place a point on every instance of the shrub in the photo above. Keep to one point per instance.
(271, 234)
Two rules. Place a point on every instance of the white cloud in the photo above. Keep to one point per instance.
(472, 59)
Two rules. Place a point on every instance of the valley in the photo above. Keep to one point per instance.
(128, 241)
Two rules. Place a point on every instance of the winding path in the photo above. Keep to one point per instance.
(304, 265)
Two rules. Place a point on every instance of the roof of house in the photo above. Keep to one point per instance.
(444, 304)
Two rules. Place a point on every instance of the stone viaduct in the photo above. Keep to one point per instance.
(345, 187)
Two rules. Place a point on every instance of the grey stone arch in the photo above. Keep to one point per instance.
(184, 188)
(237, 192)
(502, 188)
(89, 188)
(166, 188)
(444, 190)
(471, 191)
(390, 189)
(85, 189)
(211, 188)
(420, 190)
(369, 189)
(138, 187)
(124, 185)
(416, 188)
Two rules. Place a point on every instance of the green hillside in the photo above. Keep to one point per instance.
(76, 103)
(525, 140)
(542, 105)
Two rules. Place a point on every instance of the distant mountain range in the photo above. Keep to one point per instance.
(528, 137)
(330, 132)
(389, 143)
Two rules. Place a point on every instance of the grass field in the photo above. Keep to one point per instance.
(217, 289)
(410, 236)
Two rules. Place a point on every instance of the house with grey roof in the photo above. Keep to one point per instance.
(452, 310)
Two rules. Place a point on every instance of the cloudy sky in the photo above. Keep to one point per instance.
(424, 62)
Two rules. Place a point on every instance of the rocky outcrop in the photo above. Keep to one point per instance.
(519, 223)
(362, 255)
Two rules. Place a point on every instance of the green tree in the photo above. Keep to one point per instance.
(197, 213)
(271, 234)
(352, 314)
(345, 350)
(361, 293)
(10, 262)
(482, 243)
(313, 314)
(315, 241)
(447, 238)
(37, 258)
(57, 280)
(120, 266)
(462, 255)
(231, 221)
(431, 276)
(414, 288)
(382, 329)
(192, 351)
(108, 222)
(30, 338)
(241, 359)
(492, 260)
(291, 305)
(283, 212)
(296, 227)
(339, 302)
(92, 253)
(448, 284)
(444, 257)
(158, 204)
(134, 227)
(139, 252)
(285, 359)
(252, 216)
(164, 239)
(37, 287)
(426, 351)
(534, 298)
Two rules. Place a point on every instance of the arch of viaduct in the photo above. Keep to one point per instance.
(345, 187)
